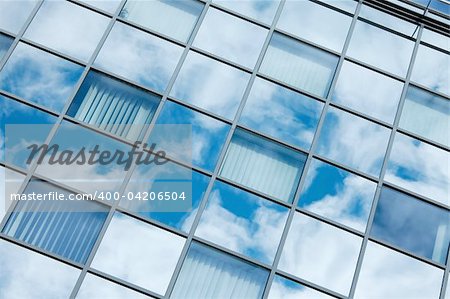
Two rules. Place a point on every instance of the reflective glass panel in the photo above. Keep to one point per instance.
(174, 18)
(389, 274)
(306, 20)
(210, 85)
(281, 113)
(139, 56)
(412, 224)
(288, 289)
(320, 253)
(337, 194)
(10, 183)
(94, 287)
(299, 65)
(39, 77)
(367, 91)
(436, 39)
(347, 5)
(380, 48)
(241, 221)
(431, 68)
(344, 138)
(11, 113)
(5, 43)
(261, 10)
(66, 228)
(14, 13)
(114, 106)
(208, 134)
(137, 257)
(263, 165)
(426, 114)
(419, 167)
(217, 275)
(27, 274)
(387, 20)
(67, 28)
(218, 35)
(106, 5)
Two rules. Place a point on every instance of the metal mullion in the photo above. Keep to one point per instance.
(310, 155)
(203, 202)
(445, 284)
(384, 165)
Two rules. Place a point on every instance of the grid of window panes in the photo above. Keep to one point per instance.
(322, 141)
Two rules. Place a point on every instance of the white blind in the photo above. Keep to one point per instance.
(210, 274)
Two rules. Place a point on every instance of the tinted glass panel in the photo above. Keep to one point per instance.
(281, 113)
(241, 221)
(139, 56)
(389, 274)
(174, 18)
(10, 183)
(137, 257)
(367, 91)
(299, 65)
(337, 194)
(320, 253)
(114, 106)
(262, 10)
(65, 228)
(419, 167)
(218, 36)
(412, 224)
(68, 28)
(5, 43)
(13, 14)
(344, 138)
(39, 77)
(306, 20)
(285, 288)
(262, 165)
(218, 275)
(210, 85)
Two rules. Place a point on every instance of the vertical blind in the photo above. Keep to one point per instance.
(261, 165)
(64, 228)
(299, 65)
(207, 273)
(113, 106)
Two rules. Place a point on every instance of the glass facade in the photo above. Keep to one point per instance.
(319, 155)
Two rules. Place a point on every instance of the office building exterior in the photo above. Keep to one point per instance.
(316, 156)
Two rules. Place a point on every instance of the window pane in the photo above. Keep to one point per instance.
(389, 274)
(218, 36)
(137, 257)
(10, 183)
(320, 253)
(68, 28)
(380, 48)
(173, 18)
(262, 165)
(281, 113)
(208, 134)
(299, 65)
(367, 91)
(261, 10)
(431, 69)
(210, 85)
(426, 114)
(94, 287)
(39, 77)
(419, 167)
(387, 20)
(107, 5)
(337, 194)
(218, 275)
(114, 106)
(241, 221)
(412, 224)
(139, 56)
(65, 228)
(15, 142)
(5, 43)
(436, 39)
(14, 13)
(344, 138)
(288, 289)
(306, 20)
(27, 274)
